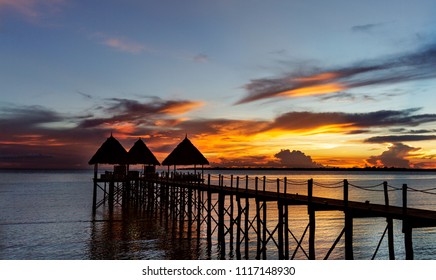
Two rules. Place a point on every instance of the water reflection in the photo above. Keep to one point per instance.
(132, 234)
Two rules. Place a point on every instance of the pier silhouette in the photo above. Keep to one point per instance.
(232, 208)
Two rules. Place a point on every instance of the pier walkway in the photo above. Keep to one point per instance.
(232, 210)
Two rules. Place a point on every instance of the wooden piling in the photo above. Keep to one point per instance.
(111, 195)
(246, 220)
(264, 218)
(286, 222)
(390, 225)
(221, 236)
(189, 212)
(311, 213)
(280, 229)
(94, 193)
(348, 226)
(209, 214)
(231, 210)
(258, 221)
(407, 229)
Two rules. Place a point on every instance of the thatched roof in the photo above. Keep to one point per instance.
(185, 154)
(140, 154)
(110, 152)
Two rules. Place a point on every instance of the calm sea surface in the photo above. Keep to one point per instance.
(48, 215)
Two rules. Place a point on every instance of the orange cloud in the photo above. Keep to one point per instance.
(182, 107)
(314, 90)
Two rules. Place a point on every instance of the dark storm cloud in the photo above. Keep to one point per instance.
(389, 70)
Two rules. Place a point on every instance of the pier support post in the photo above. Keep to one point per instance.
(111, 195)
(221, 237)
(280, 229)
(390, 225)
(258, 221)
(209, 214)
(348, 226)
(231, 218)
(189, 212)
(264, 217)
(286, 221)
(311, 220)
(246, 221)
(199, 210)
(407, 229)
(94, 193)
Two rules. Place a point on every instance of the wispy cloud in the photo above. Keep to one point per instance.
(119, 43)
(124, 45)
(396, 69)
(201, 58)
(366, 27)
(31, 9)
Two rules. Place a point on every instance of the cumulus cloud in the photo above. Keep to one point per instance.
(295, 159)
(412, 66)
(396, 156)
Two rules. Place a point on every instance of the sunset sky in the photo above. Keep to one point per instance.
(295, 83)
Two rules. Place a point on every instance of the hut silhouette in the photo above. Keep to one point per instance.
(141, 154)
(185, 154)
(110, 152)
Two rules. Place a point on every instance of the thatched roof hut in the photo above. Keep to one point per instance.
(110, 152)
(185, 154)
(140, 154)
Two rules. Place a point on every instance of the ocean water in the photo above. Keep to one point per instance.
(48, 215)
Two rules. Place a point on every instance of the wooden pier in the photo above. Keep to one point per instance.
(231, 209)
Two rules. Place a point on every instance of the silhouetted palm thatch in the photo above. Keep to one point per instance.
(185, 154)
(110, 152)
(140, 154)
